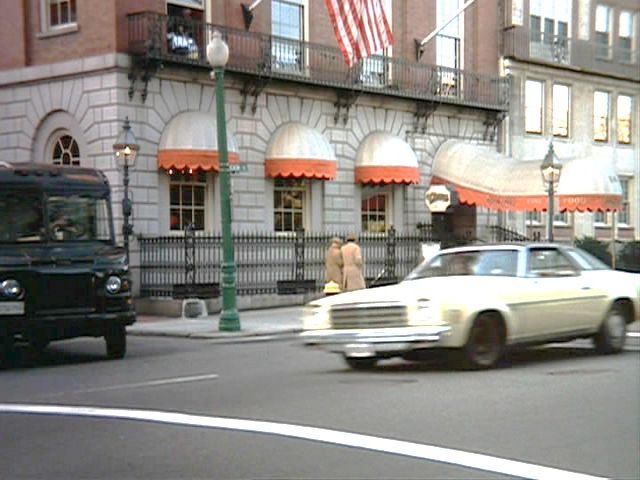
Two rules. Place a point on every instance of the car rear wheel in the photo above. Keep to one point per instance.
(361, 363)
(116, 340)
(613, 332)
(485, 344)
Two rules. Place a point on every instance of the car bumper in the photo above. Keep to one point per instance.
(372, 342)
(66, 325)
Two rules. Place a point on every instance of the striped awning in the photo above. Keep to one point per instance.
(384, 158)
(190, 140)
(298, 151)
(484, 177)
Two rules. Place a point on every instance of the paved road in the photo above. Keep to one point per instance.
(560, 407)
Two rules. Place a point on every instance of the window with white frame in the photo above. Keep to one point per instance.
(600, 116)
(623, 214)
(187, 192)
(375, 208)
(533, 98)
(448, 45)
(625, 37)
(58, 15)
(289, 201)
(601, 218)
(534, 218)
(561, 218)
(603, 31)
(623, 123)
(287, 28)
(375, 68)
(561, 102)
(65, 151)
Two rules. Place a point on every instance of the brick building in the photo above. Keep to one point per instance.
(321, 146)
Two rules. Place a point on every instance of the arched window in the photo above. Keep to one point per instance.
(65, 151)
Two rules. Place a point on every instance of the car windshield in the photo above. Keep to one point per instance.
(26, 213)
(468, 262)
(78, 218)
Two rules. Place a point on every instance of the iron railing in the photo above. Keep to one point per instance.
(267, 262)
(524, 44)
(272, 57)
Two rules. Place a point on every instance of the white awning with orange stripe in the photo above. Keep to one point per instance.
(484, 177)
(383, 158)
(190, 141)
(298, 151)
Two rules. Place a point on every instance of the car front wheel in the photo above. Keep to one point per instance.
(116, 340)
(361, 363)
(613, 332)
(485, 344)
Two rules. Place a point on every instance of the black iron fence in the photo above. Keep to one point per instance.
(267, 263)
(153, 37)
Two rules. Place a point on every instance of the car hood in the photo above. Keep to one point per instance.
(92, 254)
(440, 288)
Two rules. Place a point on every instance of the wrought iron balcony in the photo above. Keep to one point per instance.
(591, 56)
(170, 40)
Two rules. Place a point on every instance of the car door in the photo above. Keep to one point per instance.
(556, 301)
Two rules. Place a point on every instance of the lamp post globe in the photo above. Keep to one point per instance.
(550, 169)
(218, 55)
(126, 150)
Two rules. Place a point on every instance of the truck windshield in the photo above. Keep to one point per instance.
(77, 218)
(67, 218)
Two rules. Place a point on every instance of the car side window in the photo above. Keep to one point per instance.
(549, 262)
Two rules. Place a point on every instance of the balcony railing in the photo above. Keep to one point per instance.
(523, 44)
(153, 36)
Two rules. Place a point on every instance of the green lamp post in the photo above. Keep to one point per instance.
(550, 168)
(217, 55)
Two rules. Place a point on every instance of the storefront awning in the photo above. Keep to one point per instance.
(190, 140)
(298, 151)
(384, 158)
(486, 178)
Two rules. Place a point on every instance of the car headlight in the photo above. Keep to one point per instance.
(316, 317)
(420, 312)
(113, 284)
(10, 288)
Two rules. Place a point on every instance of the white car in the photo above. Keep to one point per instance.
(478, 301)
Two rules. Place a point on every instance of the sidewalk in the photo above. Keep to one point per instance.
(253, 323)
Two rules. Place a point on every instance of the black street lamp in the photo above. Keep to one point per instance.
(551, 168)
(126, 150)
(218, 55)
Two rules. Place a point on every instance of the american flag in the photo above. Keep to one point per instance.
(361, 27)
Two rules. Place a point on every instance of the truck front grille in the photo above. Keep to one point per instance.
(65, 291)
(369, 315)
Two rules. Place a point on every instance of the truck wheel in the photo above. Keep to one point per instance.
(361, 363)
(485, 344)
(116, 340)
(613, 332)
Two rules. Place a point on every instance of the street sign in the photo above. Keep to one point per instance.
(238, 168)
(437, 198)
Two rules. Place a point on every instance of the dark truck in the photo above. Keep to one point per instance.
(61, 273)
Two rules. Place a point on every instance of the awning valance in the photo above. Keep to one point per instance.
(190, 140)
(385, 158)
(486, 178)
(298, 151)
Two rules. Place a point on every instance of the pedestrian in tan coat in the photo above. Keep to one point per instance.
(352, 258)
(333, 263)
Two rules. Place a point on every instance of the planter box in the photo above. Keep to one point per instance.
(290, 287)
(199, 290)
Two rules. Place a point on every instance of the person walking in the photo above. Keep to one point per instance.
(333, 267)
(352, 258)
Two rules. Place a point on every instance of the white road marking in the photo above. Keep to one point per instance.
(367, 442)
(152, 383)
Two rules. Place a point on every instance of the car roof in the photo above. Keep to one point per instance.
(501, 246)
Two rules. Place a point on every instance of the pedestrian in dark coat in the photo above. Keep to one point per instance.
(352, 258)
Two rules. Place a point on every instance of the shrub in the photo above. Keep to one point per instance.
(629, 258)
(595, 247)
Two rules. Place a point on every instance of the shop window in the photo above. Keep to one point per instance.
(289, 199)
(534, 218)
(65, 151)
(533, 96)
(601, 116)
(187, 191)
(623, 113)
(374, 210)
(601, 218)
